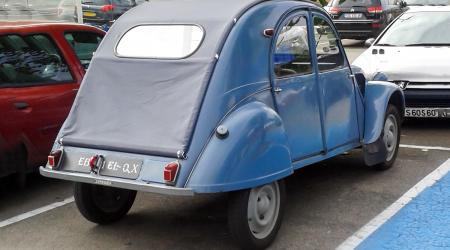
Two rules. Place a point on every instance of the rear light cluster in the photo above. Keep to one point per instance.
(107, 8)
(171, 172)
(375, 10)
(334, 10)
(54, 158)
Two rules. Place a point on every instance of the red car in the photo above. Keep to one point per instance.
(41, 68)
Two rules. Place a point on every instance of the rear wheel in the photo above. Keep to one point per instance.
(255, 215)
(103, 205)
(391, 137)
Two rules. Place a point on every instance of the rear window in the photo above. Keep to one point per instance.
(355, 3)
(160, 41)
(107, 2)
(31, 60)
(84, 45)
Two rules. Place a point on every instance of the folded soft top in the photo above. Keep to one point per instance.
(149, 106)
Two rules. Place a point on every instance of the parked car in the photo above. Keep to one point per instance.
(103, 13)
(210, 101)
(363, 19)
(414, 3)
(413, 53)
(41, 67)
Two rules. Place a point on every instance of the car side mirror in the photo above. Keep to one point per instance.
(369, 42)
(403, 4)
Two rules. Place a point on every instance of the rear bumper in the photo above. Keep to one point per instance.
(116, 182)
(357, 29)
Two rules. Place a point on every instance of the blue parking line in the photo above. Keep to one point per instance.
(424, 223)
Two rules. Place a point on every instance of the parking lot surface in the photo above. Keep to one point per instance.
(326, 203)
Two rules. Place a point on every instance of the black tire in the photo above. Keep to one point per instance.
(103, 205)
(239, 221)
(392, 111)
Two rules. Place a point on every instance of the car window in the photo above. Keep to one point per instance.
(84, 45)
(31, 60)
(162, 41)
(329, 56)
(292, 55)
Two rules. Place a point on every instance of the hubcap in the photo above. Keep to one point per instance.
(390, 136)
(263, 209)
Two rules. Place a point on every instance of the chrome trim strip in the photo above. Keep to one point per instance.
(116, 182)
(352, 21)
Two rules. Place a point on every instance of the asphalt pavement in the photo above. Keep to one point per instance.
(326, 204)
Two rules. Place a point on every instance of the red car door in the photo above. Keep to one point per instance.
(37, 88)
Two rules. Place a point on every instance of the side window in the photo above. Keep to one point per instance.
(31, 60)
(84, 44)
(329, 56)
(292, 55)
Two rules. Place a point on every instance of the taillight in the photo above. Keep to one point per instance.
(376, 25)
(334, 10)
(171, 171)
(54, 158)
(107, 8)
(375, 9)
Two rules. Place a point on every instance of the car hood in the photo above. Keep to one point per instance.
(415, 64)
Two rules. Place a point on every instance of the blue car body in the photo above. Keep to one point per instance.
(275, 125)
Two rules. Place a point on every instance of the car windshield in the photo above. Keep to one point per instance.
(427, 2)
(106, 2)
(354, 3)
(418, 29)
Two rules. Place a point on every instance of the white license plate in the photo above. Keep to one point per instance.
(353, 15)
(421, 112)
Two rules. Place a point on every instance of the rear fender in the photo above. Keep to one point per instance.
(255, 152)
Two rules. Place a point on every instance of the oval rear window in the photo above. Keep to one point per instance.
(162, 41)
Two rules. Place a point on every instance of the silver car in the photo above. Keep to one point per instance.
(414, 53)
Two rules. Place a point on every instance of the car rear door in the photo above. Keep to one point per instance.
(338, 92)
(37, 88)
(296, 88)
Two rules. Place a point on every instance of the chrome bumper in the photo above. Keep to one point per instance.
(116, 182)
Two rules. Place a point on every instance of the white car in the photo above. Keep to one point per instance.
(414, 52)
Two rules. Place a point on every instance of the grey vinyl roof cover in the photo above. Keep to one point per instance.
(149, 106)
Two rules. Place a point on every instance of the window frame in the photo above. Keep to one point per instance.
(60, 52)
(287, 19)
(161, 58)
(73, 50)
(345, 63)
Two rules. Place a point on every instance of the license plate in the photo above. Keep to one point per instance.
(114, 166)
(353, 15)
(421, 112)
(89, 14)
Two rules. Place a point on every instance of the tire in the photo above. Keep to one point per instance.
(246, 219)
(103, 205)
(391, 137)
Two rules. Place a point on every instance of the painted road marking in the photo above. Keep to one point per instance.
(424, 148)
(357, 238)
(35, 212)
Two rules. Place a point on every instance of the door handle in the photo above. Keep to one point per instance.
(350, 76)
(277, 90)
(21, 105)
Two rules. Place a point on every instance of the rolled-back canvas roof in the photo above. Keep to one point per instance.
(149, 106)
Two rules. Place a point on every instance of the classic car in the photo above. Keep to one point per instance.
(413, 53)
(210, 101)
(41, 68)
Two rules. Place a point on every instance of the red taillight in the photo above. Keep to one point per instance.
(54, 158)
(334, 10)
(375, 9)
(170, 172)
(107, 8)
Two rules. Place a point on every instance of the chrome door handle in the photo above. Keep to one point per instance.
(351, 76)
(277, 90)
